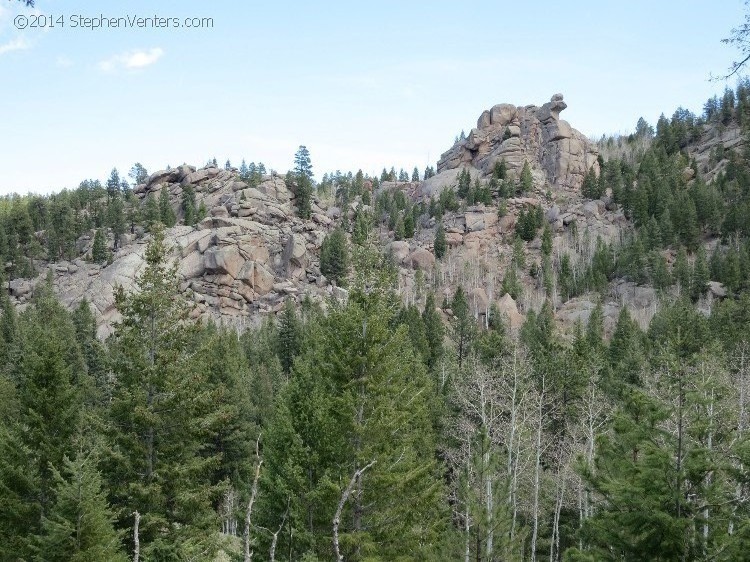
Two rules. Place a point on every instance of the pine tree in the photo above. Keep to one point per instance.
(303, 177)
(166, 213)
(700, 278)
(99, 251)
(162, 415)
(440, 245)
(116, 219)
(151, 213)
(79, 526)
(590, 187)
(362, 227)
(334, 257)
(290, 336)
(434, 331)
(409, 225)
(359, 397)
(20, 515)
(511, 285)
(526, 179)
(415, 175)
(189, 210)
(399, 231)
(113, 184)
(51, 376)
(682, 273)
(463, 326)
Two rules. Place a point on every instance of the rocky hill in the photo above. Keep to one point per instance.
(252, 251)
(530, 134)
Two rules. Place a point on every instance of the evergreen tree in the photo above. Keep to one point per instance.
(590, 188)
(116, 219)
(290, 336)
(79, 526)
(700, 277)
(362, 227)
(188, 204)
(166, 213)
(138, 173)
(398, 230)
(682, 274)
(463, 326)
(163, 412)
(334, 257)
(99, 251)
(151, 214)
(526, 179)
(434, 331)
(303, 177)
(113, 184)
(415, 175)
(440, 245)
(358, 398)
(51, 375)
(409, 225)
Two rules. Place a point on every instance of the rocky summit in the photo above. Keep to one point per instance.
(530, 134)
(252, 251)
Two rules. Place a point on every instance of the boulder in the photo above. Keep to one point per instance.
(20, 287)
(474, 221)
(508, 308)
(192, 265)
(224, 260)
(399, 249)
(219, 211)
(717, 289)
(421, 259)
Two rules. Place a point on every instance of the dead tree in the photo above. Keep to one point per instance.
(344, 497)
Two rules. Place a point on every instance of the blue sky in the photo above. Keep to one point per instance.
(363, 86)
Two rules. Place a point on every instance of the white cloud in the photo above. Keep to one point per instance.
(132, 60)
(17, 44)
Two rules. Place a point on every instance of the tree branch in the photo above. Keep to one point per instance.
(337, 517)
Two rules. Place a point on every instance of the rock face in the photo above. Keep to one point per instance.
(530, 133)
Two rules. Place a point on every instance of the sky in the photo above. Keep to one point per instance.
(362, 85)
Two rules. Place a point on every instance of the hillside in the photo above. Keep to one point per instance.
(538, 350)
(253, 251)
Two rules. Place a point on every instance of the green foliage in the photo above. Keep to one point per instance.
(166, 213)
(334, 257)
(163, 407)
(591, 188)
(188, 204)
(434, 332)
(358, 395)
(528, 222)
(303, 178)
(526, 181)
(289, 336)
(463, 325)
(440, 245)
(99, 250)
(151, 213)
(79, 526)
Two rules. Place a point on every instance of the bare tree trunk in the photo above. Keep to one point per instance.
(337, 517)
(554, 549)
(136, 538)
(275, 536)
(742, 368)
(537, 471)
(248, 554)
